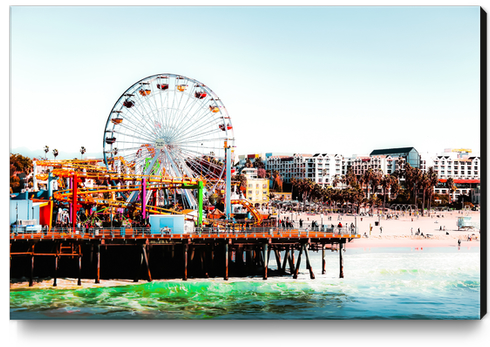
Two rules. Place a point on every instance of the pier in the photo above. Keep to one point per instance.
(117, 253)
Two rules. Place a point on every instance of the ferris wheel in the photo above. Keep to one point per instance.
(169, 125)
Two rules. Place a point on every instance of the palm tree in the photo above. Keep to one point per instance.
(277, 180)
(82, 151)
(376, 177)
(357, 196)
(433, 179)
(368, 175)
(258, 163)
(395, 188)
(248, 163)
(351, 178)
(450, 188)
(46, 150)
(408, 173)
(425, 185)
(336, 180)
(386, 182)
(307, 188)
(55, 153)
(362, 181)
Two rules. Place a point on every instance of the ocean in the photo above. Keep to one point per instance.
(379, 283)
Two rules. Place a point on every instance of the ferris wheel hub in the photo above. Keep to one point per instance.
(160, 143)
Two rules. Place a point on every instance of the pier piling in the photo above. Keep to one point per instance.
(341, 261)
(202, 254)
(323, 260)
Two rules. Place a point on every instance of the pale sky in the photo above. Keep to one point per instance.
(294, 79)
(302, 80)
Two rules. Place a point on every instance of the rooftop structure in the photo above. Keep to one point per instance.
(409, 153)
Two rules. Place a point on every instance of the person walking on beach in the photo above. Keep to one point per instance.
(380, 230)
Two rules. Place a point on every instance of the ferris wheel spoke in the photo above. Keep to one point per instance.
(193, 154)
(135, 134)
(209, 124)
(200, 167)
(175, 113)
(144, 138)
(200, 116)
(209, 161)
(187, 114)
(203, 121)
(196, 137)
(137, 118)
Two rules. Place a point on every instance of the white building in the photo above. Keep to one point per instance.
(320, 168)
(386, 163)
(288, 166)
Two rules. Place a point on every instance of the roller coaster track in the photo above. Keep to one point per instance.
(250, 207)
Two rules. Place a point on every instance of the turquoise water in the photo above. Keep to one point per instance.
(389, 283)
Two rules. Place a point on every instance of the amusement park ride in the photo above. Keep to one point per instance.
(167, 147)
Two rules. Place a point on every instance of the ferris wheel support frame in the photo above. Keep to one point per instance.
(228, 180)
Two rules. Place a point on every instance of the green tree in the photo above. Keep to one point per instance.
(18, 165)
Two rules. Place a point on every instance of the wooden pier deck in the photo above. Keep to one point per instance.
(206, 253)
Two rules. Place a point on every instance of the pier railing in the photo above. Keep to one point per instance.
(134, 232)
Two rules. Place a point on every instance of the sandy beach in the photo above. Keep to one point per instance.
(439, 229)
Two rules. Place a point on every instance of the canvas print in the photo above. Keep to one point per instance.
(245, 163)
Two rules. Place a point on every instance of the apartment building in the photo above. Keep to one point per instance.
(386, 163)
(257, 191)
(288, 166)
(463, 168)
